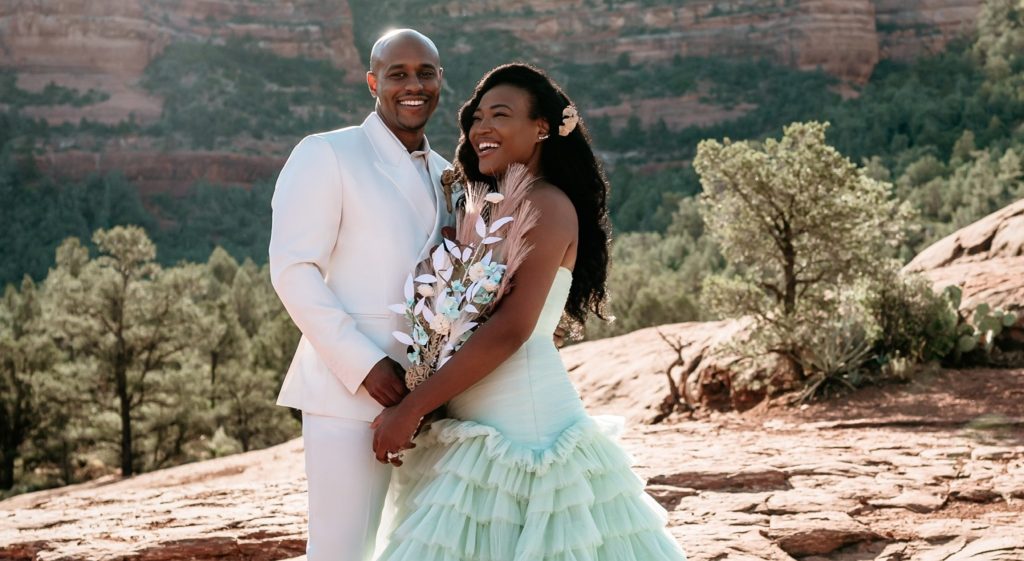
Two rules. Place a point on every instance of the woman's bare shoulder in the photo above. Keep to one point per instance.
(554, 205)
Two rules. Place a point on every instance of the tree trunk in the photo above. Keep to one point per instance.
(789, 270)
(126, 420)
(65, 462)
(213, 379)
(14, 427)
(789, 303)
(244, 432)
(7, 467)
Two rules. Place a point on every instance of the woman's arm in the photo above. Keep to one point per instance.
(499, 337)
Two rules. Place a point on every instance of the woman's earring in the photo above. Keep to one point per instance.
(543, 137)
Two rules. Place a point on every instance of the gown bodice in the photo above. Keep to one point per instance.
(529, 397)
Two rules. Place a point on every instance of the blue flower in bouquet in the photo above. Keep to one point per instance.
(483, 297)
(457, 287)
(419, 335)
(494, 270)
(450, 308)
(414, 357)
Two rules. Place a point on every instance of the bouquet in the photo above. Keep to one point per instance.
(459, 284)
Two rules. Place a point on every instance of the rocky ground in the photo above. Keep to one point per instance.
(933, 471)
(929, 472)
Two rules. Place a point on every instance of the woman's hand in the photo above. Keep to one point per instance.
(394, 430)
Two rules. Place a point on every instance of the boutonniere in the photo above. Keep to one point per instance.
(450, 185)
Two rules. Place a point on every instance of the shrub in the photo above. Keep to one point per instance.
(914, 322)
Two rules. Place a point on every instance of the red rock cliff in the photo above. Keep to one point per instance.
(107, 44)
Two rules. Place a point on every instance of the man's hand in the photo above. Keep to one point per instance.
(386, 382)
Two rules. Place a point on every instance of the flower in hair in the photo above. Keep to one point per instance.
(570, 118)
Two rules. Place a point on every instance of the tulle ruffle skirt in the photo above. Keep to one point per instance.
(467, 493)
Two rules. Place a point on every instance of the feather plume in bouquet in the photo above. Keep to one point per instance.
(458, 286)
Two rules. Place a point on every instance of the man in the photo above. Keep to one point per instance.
(353, 211)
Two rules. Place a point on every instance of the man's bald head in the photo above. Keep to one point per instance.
(405, 77)
(396, 39)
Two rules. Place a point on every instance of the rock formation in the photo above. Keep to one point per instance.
(638, 372)
(154, 171)
(836, 36)
(121, 36)
(105, 45)
(911, 28)
(986, 260)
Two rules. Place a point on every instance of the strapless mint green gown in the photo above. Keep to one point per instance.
(520, 472)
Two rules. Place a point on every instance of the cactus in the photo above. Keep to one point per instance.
(1009, 318)
(981, 330)
(967, 343)
(953, 293)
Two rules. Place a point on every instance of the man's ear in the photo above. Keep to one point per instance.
(371, 82)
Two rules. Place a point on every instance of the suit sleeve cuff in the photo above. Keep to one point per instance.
(357, 363)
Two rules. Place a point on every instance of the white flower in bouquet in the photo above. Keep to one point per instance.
(441, 324)
(425, 290)
(476, 272)
(459, 284)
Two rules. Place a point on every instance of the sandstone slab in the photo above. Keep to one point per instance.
(752, 478)
(818, 533)
(916, 501)
(800, 501)
(1005, 548)
(993, 453)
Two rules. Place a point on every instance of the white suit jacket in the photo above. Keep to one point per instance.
(351, 218)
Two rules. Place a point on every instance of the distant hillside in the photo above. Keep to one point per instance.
(152, 115)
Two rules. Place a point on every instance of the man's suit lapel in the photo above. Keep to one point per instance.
(393, 162)
(441, 215)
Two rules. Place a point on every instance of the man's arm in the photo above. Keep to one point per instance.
(307, 207)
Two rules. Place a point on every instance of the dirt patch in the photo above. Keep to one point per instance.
(981, 399)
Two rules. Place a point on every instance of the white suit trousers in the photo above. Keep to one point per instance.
(347, 488)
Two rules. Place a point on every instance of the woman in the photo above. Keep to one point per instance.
(520, 472)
